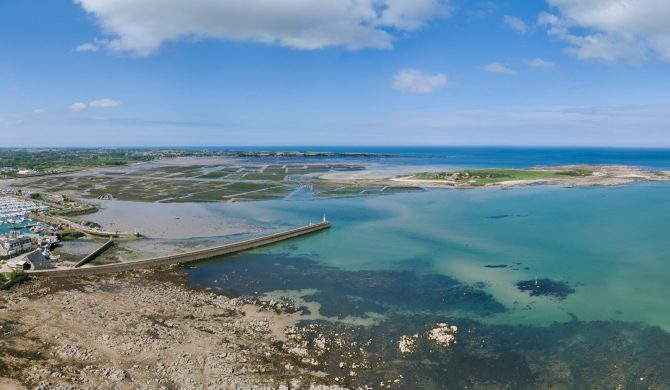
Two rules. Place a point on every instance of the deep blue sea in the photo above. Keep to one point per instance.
(550, 287)
(497, 157)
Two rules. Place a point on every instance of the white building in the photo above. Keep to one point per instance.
(14, 246)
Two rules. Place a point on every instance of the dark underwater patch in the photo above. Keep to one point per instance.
(503, 216)
(541, 287)
(496, 266)
(571, 355)
(574, 354)
(341, 292)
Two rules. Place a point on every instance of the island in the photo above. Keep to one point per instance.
(565, 175)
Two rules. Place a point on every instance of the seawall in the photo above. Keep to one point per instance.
(184, 258)
(95, 253)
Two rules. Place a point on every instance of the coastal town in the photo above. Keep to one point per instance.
(25, 243)
(30, 231)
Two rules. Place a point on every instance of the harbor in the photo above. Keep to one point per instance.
(183, 258)
(14, 213)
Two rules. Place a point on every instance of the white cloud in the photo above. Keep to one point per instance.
(78, 106)
(515, 24)
(94, 46)
(100, 103)
(87, 47)
(414, 81)
(140, 27)
(496, 67)
(611, 30)
(539, 63)
(104, 103)
(39, 111)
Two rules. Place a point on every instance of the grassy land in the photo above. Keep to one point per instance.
(71, 234)
(54, 160)
(490, 176)
(8, 276)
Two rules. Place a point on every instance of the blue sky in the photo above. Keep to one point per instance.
(334, 72)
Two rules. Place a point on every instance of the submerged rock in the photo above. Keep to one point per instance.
(407, 344)
(443, 334)
(538, 287)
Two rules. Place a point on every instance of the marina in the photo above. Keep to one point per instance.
(14, 213)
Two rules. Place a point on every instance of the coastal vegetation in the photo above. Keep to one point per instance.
(489, 176)
(16, 163)
(7, 277)
(71, 234)
(31, 162)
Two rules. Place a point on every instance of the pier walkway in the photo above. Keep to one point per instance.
(188, 257)
(95, 253)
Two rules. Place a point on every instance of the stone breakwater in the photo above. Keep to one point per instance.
(134, 332)
(187, 257)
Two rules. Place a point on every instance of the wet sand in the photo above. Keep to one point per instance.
(170, 220)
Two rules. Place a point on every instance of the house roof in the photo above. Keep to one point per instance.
(37, 260)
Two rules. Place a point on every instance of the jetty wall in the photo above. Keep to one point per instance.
(184, 258)
(95, 253)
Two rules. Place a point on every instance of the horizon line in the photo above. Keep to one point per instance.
(307, 147)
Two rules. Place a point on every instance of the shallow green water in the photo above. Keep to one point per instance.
(609, 243)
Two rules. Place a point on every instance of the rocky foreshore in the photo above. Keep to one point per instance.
(136, 331)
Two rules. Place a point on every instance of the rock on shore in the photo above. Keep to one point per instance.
(133, 332)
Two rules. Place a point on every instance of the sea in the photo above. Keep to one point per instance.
(549, 287)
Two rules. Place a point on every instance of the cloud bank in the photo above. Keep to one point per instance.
(141, 27)
(611, 30)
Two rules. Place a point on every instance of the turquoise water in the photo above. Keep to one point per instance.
(609, 243)
(397, 264)
(7, 228)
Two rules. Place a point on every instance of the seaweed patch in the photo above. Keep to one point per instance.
(540, 287)
(503, 216)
